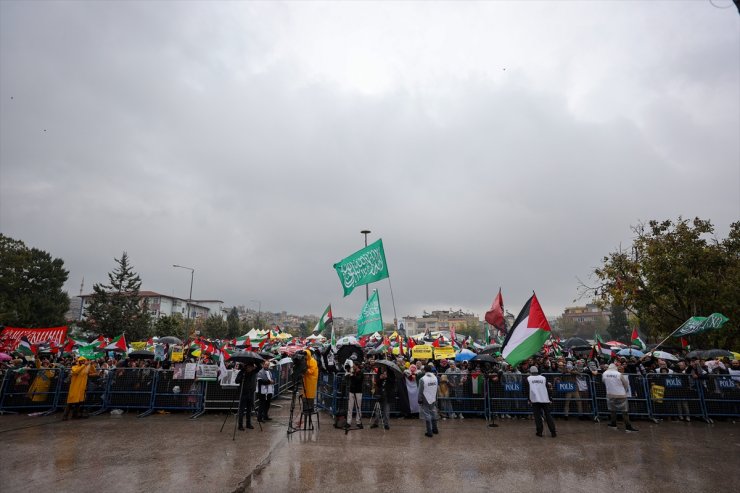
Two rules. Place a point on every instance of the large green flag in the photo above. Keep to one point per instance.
(371, 320)
(362, 267)
(90, 351)
(696, 325)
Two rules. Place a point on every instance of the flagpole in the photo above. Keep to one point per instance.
(395, 317)
(669, 336)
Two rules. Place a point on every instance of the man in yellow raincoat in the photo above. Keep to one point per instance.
(78, 384)
(310, 381)
(39, 390)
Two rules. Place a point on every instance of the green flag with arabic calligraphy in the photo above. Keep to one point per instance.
(371, 320)
(362, 267)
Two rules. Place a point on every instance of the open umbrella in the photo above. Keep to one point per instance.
(484, 358)
(631, 352)
(169, 340)
(614, 344)
(696, 353)
(490, 349)
(266, 355)
(285, 361)
(391, 366)
(350, 351)
(5, 357)
(141, 354)
(718, 353)
(347, 340)
(465, 355)
(574, 341)
(663, 355)
(247, 357)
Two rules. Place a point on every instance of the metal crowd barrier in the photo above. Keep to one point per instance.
(639, 402)
(508, 394)
(217, 397)
(148, 390)
(465, 395)
(31, 389)
(572, 394)
(721, 396)
(674, 395)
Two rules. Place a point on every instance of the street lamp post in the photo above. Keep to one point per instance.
(190, 296)
(367, 289)
(259, 309)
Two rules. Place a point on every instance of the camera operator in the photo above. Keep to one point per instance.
(385, 388)
(353, 373)
(247, 378)
(266, 390)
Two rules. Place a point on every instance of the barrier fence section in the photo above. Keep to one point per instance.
(218, 397)
(639, 403)
(571, 394)
(462, 394)
(33, 389)
(508, 394)
(721, 395)
(675, 395)
(45, 390)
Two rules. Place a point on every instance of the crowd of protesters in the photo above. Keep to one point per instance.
(463, 381)
(456, 381)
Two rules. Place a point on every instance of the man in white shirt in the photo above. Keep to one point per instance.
(428, 388)
(616, 384)
(539, 398)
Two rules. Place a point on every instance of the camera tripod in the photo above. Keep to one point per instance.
(291, 428)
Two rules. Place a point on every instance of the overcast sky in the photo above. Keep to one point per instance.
(488, 144)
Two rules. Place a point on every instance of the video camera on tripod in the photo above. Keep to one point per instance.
(299, 366)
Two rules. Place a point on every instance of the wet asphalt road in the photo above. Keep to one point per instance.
(172, 453)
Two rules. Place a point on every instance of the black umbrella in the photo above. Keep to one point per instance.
(141, 354)
(169, 340)
(485, 358)
(390, 365)
(350, 351)
(718, 353)
(697, 353)
(574, 341)
(247, 357)
(266, 355)
(490, 349)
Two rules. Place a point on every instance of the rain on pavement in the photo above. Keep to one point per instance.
(169, 452)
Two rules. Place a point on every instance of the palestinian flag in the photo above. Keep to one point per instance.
(333, 340)
(477, 381)
(411, 343)
(685, 344)
(528, 335)
(117, 344)
(326, 320)
(603, 348)
(26, 348)
(487, 335)
(636, 341)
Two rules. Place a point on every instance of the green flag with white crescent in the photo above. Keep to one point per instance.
(362, 267)
(371, 320)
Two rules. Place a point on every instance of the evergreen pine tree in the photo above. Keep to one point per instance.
(117, 307)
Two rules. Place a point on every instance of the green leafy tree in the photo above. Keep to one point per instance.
(673, 271)
(117, 307)
(31, 284)
(170, 325)
(470, 328)
(214, 327)
(234, 326)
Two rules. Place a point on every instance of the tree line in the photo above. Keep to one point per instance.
(673, 270)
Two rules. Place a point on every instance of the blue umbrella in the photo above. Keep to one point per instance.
(631, 352)
(465, 355)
